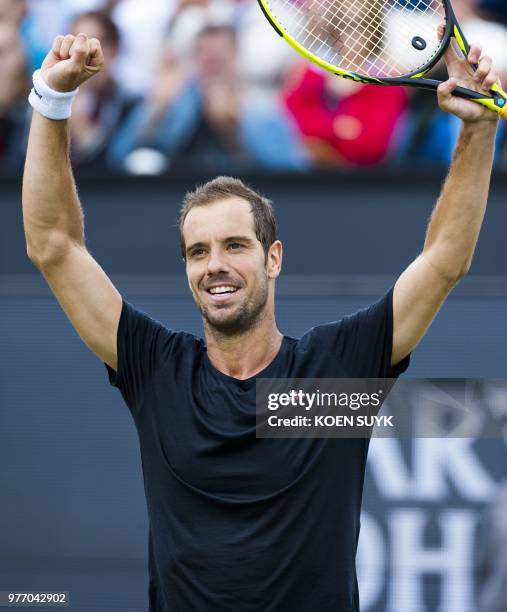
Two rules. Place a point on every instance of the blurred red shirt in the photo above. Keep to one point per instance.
(356, 128)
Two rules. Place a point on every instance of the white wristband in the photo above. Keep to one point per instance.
(48, 102)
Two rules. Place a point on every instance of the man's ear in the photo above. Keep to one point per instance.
(274, 259)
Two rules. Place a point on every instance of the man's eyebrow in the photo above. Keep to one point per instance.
(239, 239)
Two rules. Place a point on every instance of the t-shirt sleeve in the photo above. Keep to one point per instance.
(362, 342)
(143, 345)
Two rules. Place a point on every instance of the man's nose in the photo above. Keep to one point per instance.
(217, 262)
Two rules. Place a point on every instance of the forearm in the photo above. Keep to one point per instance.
(457, 218)
(52, 214)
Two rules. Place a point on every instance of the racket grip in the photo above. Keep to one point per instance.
(496, 103)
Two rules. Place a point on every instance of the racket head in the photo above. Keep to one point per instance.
(337, 35)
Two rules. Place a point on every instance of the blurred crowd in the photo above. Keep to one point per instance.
(207, 85)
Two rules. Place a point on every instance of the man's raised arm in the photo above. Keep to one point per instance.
(52, 214)
(457, 218)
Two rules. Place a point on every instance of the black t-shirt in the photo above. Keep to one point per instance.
(241, 524)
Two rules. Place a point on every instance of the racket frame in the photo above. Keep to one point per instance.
(496, 102)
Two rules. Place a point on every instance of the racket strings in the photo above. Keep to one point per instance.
(343, 22)
(373, 57)
(358, 27)
(364, 37)
(375, 54)
(349, 37)
(369, 37)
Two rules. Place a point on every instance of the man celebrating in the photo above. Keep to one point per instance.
(239, 523)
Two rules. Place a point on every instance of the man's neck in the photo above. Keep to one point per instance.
(243, 356)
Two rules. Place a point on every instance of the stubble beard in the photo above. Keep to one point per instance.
(245, 318)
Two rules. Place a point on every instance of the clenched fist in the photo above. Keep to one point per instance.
(72, 61)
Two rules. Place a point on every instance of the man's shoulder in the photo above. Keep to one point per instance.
(321, 332)
(135, 321)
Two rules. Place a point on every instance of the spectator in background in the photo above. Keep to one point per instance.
(207, 122)
(13, 11)
(102, 105)
(188, 19)
(40, 21)
(342, 122)
(264, 59)
(142, 25)
(16, 12)
(52, 17)
(15, 85)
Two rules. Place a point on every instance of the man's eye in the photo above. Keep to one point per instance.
(234, 246)
(197, 252)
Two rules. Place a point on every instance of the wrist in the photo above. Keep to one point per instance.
(52, 104)
(485, 128)
(489, 122)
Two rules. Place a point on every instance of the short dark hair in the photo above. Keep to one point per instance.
(218, 29)
(112, 34)
(226, 187)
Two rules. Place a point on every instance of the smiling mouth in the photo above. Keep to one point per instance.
(222, 290)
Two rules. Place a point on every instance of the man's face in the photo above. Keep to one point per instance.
(226, 267)
(216, 56)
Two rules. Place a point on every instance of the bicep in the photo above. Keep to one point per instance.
(89, 299)
(418, 295)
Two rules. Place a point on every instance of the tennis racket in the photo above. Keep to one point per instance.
(383, 42)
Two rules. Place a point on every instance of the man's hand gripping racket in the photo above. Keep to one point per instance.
(473, 72)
